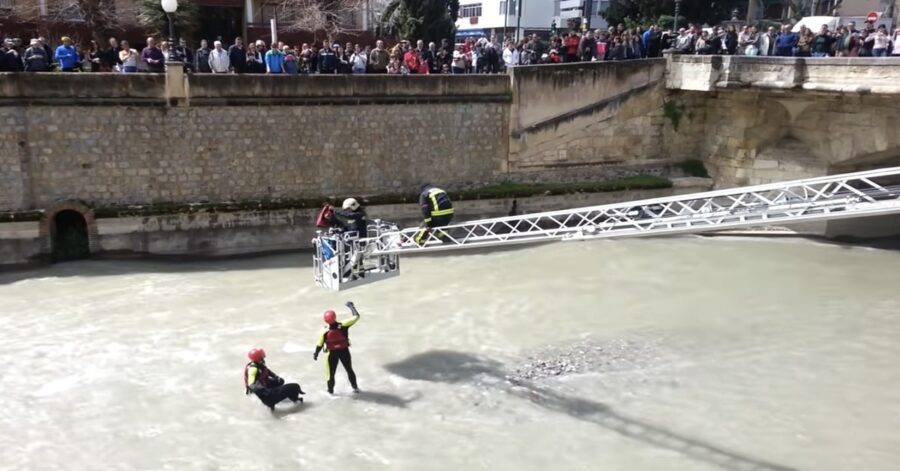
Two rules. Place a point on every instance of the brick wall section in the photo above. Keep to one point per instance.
(106, 155)
(13, 159)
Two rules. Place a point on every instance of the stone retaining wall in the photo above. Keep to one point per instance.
(218, 234)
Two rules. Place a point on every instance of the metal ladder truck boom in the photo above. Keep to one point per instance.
(342, 261)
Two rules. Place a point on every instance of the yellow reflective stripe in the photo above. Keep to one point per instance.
(436, 211)
(251, 375)
(434, 204)
(327, 369)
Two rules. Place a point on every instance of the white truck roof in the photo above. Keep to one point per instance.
(815, 23)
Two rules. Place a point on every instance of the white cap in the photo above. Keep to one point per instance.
(351, 204)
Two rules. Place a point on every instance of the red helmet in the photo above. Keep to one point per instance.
(330, 317)
(256, 355)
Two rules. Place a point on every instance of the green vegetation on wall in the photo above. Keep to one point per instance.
(674, 111)
(502, 190)
(693, 168)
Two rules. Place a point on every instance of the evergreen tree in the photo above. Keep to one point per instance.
(151, 15)
(428, 20)
(649, 11)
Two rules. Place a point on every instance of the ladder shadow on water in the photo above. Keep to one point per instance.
(454, 367)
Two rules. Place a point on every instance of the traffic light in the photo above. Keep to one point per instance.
(553, 27)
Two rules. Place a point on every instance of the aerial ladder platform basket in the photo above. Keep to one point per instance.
(342, 261)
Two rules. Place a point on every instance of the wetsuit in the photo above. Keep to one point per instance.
(436, 208)
(268, 386)
(336, 341)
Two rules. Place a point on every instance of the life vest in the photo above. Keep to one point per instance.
(336, 339)
(262, 374)
(326, 215)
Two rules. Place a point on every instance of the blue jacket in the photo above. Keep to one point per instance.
(66, 56)
(787, 40)
(645, 39)
(275, 61)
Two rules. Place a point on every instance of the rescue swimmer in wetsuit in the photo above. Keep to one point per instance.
(268, 386)
(437, 210)
(336, 341)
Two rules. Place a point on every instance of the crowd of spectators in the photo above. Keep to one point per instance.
(844, 41)
(483, 55)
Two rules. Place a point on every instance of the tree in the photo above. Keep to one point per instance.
(98, 15)
(428, 20)
(331, 16)
(649, 11)
(797, 9)
(151, 15)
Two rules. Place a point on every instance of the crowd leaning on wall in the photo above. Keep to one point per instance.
(485, 55)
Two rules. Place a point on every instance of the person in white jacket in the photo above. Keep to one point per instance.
(218, 59)
(510, 55)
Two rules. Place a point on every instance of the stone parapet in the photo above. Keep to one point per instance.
(229, 89)
(829, 75)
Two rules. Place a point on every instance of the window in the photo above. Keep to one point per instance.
(512, 7)
(468, 11)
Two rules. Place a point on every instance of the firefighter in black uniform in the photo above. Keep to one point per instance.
(351, 218)
(436, 208)
(268, 386)
(336, 341)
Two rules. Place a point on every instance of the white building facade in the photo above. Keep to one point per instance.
(518, 18)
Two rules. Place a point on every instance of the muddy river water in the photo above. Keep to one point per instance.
(657, 354)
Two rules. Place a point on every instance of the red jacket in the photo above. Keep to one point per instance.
(571, 44)
(412, 60)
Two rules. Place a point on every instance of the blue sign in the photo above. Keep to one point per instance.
(470, 33)
(327, 250)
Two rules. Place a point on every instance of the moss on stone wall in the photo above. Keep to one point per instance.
(503, 190)
(674, 111)
(693, 168)
(20, 216)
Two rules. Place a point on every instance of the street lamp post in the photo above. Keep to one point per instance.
(170, 7)
(677, 11)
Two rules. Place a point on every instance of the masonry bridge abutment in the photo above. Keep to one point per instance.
(768, 119)
(134, 155)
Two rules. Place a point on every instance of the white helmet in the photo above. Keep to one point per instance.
(351, 204)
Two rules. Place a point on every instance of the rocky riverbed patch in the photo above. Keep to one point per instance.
(588, 356)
